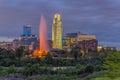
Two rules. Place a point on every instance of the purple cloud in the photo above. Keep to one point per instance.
(99, 17)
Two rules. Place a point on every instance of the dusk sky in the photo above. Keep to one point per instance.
(97, 17)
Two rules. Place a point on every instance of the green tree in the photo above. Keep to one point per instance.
(89, 68)
(75, 51)
(19, 52)
(48, 58)
(3, 53)
(7, 54)
(103, 53)
(112, 64)
(10, 54)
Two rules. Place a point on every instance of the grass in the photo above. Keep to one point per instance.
(99, 76)
(54, 77)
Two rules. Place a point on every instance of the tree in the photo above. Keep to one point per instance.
(48, 58)
(103, 53)
(7, 53)
(112, 64)
(89, 68)
(3, 53)
(10, 54)
(19, 52)
(75, 52)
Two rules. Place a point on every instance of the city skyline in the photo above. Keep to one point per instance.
(100, 18)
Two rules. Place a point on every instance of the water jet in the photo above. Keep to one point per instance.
(43, 44)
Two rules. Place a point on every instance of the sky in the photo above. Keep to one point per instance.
(97, 17)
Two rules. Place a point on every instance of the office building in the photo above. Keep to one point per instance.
(6, 45)
(70, 38)
(27, 30)
(57, 32)
(27, 39)
(16, 43)
(84, 41)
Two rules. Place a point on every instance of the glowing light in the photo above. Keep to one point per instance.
(43, 40)
(57, 31)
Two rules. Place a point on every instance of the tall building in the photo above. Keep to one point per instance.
(27, 39)
(27, 30)
(57, 31)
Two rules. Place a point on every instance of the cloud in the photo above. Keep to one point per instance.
(99, 17)
(111, 44)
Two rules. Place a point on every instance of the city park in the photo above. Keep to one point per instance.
(42, 66)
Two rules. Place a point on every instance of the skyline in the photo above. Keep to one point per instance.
(100, 18)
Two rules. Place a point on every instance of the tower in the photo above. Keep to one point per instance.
(27, 30)
(27, 39)
(57, 31)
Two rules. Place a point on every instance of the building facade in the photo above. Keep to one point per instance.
(57, 31)
(84, 41)
(100, 48)
(70, 38)
(27, 39)
(27, 30)
(88, 45)
(6, 45)
(87, 42)
(16, 43)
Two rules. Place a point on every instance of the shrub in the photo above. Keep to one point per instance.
(6, 62)
(3, 71)
(98, 68)
(11, 69)
(89, 68)
(80, 69)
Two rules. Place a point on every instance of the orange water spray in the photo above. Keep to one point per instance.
(43, 50)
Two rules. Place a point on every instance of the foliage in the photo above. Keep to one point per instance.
(112, 64)
(89, 68)
(7, 53)
(3, 71)
(6, 62)
(75, 52)
(98, 67)
(7, 70)
(19, 52)
(48, 59)
(55, 77)
(11, 69)
(36, 69)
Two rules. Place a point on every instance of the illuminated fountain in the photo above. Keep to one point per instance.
(43, 50)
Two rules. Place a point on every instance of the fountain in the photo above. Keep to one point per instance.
(43, 49)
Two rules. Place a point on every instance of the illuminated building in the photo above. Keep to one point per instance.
(87, 42)
(70, 38)
(100, 48)
(16, 43)
(57, 32)
(27, 30)
(82, 37)
(84, 41)
(6, 45)
(88, 45)
(27, 39)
